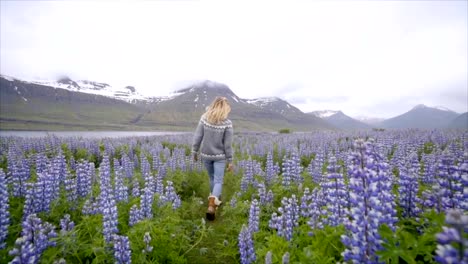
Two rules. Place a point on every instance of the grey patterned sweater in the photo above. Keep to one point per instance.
(215, 140)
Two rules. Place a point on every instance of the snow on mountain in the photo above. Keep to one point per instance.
(324, 113)
(127, 93)
(274, 104)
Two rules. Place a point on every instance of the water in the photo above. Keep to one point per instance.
(87, 134)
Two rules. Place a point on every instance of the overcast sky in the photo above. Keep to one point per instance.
(372, 58)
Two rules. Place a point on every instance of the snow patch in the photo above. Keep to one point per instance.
(8, 78)
(324, 113)
(234, 98)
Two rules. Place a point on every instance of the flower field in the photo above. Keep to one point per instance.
(325, 197)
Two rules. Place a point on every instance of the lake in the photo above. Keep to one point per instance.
(87, 134)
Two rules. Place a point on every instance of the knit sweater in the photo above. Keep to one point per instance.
(215, 140)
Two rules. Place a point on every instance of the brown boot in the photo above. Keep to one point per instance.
(213, 204)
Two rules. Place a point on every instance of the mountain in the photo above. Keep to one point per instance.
(422, 116)
(127, 93)
(275, 104)
(340, 120)
(185, 107)
(460, 121)
(73, 105)
(31, 106)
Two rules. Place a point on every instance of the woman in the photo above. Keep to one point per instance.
(214, 135)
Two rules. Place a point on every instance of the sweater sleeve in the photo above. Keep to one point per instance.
(198, 137)
(228, 134)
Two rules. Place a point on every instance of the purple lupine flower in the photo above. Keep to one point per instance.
(429, 162)
(336, 195)
(170, 196)
(35, 238)
(4, 209)
(147, 240)
(371, 205)
(270, 170)
(66, 224)
(145, 166)
(147, 203)
(254, 216)
(288, 218)
(83, 178)
(41, 162)
(107, 201)
(295, 167)
(71, 189)
(120, 189)
(248, 177)
(286, 173)
(268, 258)
(453, 240)
(463, 169)
(408, 189)
(135, 215)
(135, 187)
(246, 246)
(128, 166)
(91, 206)
(159, 180)
(315, 210)
(450, 182)
(285, 259)
(305, 201)
(233, 202)
(122, 252)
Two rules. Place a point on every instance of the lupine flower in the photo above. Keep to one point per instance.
(71, 188)
(107, 202)
(268, 257)
(147, 240)
(286, 173)
(4, 209)
(449, 180)
(408, 190)
(247, 178)
(66, 224)
(270, 170)
(135, 215)
(91, 206)
(254, 216)
(336, 195)
(170, 196)
(135, 187)
(463, 169)
(83, 178)
(120, 189)
(285, 258)
(287, 219)
(122, 252)
(453, 240)
(35, 238)
(246, 246)
(370, 205)
(233, 201)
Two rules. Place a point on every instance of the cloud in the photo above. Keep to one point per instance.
(362, 57)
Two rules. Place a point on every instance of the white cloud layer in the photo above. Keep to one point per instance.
(375, 58)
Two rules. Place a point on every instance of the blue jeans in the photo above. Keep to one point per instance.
(215, 170)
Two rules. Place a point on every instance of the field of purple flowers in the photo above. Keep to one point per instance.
(323, 197)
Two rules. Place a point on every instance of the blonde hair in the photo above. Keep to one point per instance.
(218, 110)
